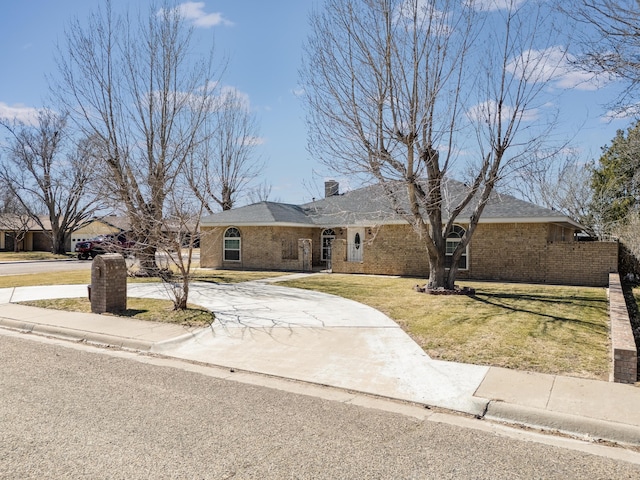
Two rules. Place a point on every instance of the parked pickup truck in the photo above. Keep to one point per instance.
(103, 244)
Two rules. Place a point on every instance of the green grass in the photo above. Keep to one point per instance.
(137, 308)
(547, 329)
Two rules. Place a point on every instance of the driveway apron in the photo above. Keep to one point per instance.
(306, 336)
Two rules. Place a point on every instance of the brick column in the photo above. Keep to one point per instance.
(108, 283)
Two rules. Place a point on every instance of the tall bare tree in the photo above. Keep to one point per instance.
(396, 89)
(141, 93)
(609, 36)
(225, 167)
(47, 172)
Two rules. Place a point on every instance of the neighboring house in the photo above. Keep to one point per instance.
(32, 237)
(109, 225)
(359, 232)
(28, 235)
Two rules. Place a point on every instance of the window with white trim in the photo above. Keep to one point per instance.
(453, 240)
(232, 244)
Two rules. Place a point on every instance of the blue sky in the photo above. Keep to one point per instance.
(263, 40)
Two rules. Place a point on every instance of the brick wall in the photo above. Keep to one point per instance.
(387, 250)
(267, 248)
(623, 346)
(523, 253)
(502, 252)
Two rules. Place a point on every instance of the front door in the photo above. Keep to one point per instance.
(355, 244)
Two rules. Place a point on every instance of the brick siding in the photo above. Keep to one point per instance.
(527, 252)
(264, 248)
(501, 252)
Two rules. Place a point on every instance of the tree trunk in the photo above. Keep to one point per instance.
(437, 272)
(180, 301)
(58, 243)
(147, 258)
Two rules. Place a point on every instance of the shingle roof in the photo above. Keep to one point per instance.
(262, 213)
(371, 206)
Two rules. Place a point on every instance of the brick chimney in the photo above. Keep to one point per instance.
(331, 188)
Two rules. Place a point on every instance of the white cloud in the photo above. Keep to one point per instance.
(627, 112)
(194, 12)
(253, 141)
(21, 113)
(554, 66)
(494, 5)
(488, 112)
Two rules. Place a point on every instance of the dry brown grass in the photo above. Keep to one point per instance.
(548, 329)
(79, 277)
(19, 256)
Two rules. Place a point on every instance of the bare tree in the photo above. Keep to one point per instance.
(46, 172)
(14, 218)
(225, 167)
(395, 90)
(563, 185)
(181, 227)
(609, 36)
(140, 92)
(260, 193)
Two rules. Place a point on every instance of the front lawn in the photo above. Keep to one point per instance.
(540, 328)
(77, 277)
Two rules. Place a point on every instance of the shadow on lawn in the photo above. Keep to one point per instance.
(501, 300)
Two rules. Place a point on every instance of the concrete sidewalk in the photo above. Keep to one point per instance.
(323, 339)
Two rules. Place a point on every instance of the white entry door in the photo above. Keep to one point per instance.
(355, 244)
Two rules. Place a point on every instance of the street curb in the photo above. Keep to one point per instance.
(160, 346)
(589, 428)
(487, 409)
(77, 335)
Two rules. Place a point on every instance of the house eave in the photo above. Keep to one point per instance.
(562, 221)
(257, 224)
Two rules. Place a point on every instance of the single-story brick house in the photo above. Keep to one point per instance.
(38, 239)
(359, 232)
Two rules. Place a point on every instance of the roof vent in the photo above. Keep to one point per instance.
(331, 188)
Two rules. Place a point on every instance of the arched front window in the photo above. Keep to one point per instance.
(328, 235)
(453, 240)
(232, 244)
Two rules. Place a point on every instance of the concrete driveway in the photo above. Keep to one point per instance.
(307, 336)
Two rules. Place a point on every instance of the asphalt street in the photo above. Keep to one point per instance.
(21, 268)
(74, 411)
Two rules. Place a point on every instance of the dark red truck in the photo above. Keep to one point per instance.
(104, 244)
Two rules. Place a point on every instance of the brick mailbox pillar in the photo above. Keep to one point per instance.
(108, 283)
